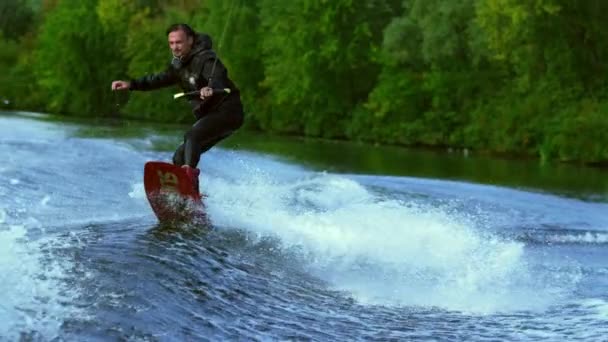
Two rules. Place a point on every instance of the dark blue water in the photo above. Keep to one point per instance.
(290, 253)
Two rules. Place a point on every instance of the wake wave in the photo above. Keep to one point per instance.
(385, 251)
(46, 183)
(33, 286)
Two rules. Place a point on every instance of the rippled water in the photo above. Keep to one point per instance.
(289, 253)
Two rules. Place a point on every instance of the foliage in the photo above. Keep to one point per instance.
(234, 25)
(15, 16)
(76, 56)
(523, 77)
(317, 62)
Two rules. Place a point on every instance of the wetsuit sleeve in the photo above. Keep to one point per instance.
(218, 76)
(155, 81)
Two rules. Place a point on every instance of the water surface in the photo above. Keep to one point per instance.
(307, 240)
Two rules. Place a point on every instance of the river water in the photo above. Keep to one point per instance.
(307, 240)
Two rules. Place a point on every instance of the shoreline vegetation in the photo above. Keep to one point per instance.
(508, 78)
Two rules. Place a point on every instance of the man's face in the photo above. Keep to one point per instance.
(179, 43)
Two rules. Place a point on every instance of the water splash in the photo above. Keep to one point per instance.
(33, 286)
(386, 251)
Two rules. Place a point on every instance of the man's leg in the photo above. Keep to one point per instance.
(207, 132)
(178, 156)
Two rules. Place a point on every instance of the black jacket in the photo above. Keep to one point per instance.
(193, 72)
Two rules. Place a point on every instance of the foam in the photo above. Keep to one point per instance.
(381, 250)
(33, 286)
(137, 191)
(586, 237)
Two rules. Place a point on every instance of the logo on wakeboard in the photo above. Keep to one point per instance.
(168, 181)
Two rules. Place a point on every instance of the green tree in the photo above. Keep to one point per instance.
(148, 52)
(552, 53)
(76, 58)
(318, 62)
(431, 75)
(508, 76)
(234, 28)
(16, 17)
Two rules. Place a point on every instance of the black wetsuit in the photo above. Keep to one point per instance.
(216, 117)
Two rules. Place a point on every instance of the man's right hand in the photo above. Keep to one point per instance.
(120, 85)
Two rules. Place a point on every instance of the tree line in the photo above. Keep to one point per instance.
(519, 77)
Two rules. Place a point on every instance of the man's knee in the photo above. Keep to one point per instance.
(194, 135)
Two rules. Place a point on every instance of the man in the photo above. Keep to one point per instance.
(195, 67)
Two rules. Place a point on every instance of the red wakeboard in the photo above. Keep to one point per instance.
(171, 193)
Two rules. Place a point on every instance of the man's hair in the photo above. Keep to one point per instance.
(183, 27)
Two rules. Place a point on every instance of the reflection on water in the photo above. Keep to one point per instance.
(571, 180)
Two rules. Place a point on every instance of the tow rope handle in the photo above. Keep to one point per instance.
(197, 92)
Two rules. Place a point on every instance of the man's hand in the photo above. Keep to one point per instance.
(120, 85)
(206, 92)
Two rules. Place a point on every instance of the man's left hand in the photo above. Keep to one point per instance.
(206, 92)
